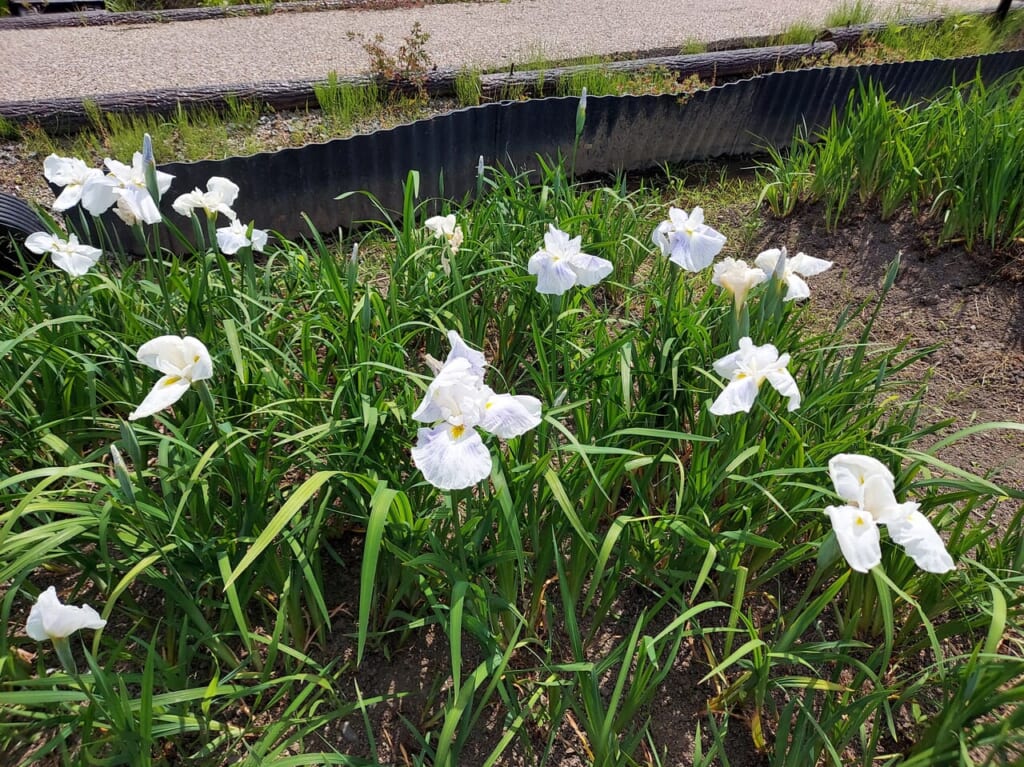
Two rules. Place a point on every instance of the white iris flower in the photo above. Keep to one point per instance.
(71, 256)
(445, 227)
(70, 173)
(125, 188)
(231, 239)
(747, 368)
(50, 620)
(450, 453)
(793, 269)
(733, 275)
(182, 362)
(686, 240)
(868, 488)
(219, 196)
(560, 264)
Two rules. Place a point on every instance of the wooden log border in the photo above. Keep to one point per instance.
(69, 114)
(739, 57)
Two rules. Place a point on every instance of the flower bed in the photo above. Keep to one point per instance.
(690, 484)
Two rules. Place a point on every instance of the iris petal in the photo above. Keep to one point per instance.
(922, 543)
(168, 390)
(589, 269)
(508, 415)
(858, 537)
(737, 396)
(451, 457)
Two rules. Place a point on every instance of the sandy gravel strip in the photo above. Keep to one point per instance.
(73, 62)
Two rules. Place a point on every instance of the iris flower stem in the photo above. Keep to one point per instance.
(206, 397)
(103, 239)
(153, 257)
(454, 497)
(560, 343)
(668, 329)
(211, 231)
(740, 324)
(862, 605)
(69, 286)
(248, 267)
(63, 647)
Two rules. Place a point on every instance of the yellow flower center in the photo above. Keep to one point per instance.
(457, 431)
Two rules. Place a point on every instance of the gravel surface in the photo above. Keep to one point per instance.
(84, 61)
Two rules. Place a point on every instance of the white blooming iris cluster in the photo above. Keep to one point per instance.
(217, 200)
(866, 486)
(458, 406)
(691, 244)
(124, 188)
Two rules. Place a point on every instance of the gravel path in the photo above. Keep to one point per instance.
(77, 61)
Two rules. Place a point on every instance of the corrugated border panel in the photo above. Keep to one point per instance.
(622, 133)
(17, 215)
(18, 220)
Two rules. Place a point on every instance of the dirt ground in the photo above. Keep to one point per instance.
(969, 304)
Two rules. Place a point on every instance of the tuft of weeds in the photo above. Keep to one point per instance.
(795, 34)
(601, 81)
(407, 66)
(850, 13)
(954, 36)
(467, 87)
(8, 130)
(342, 103)
(693, 46)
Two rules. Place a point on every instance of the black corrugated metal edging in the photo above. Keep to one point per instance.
(17, 219)
(17, 215)
(621, 133)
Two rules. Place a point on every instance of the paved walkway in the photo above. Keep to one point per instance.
(78, 61)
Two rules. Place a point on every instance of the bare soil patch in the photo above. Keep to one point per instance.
(968, 304)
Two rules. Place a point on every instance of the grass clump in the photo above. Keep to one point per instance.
(957, 158)
(796, 34)
(343, 104)
(191, 134)
(468, 90)
(850, 13)
(954, 36)
(601, 81)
